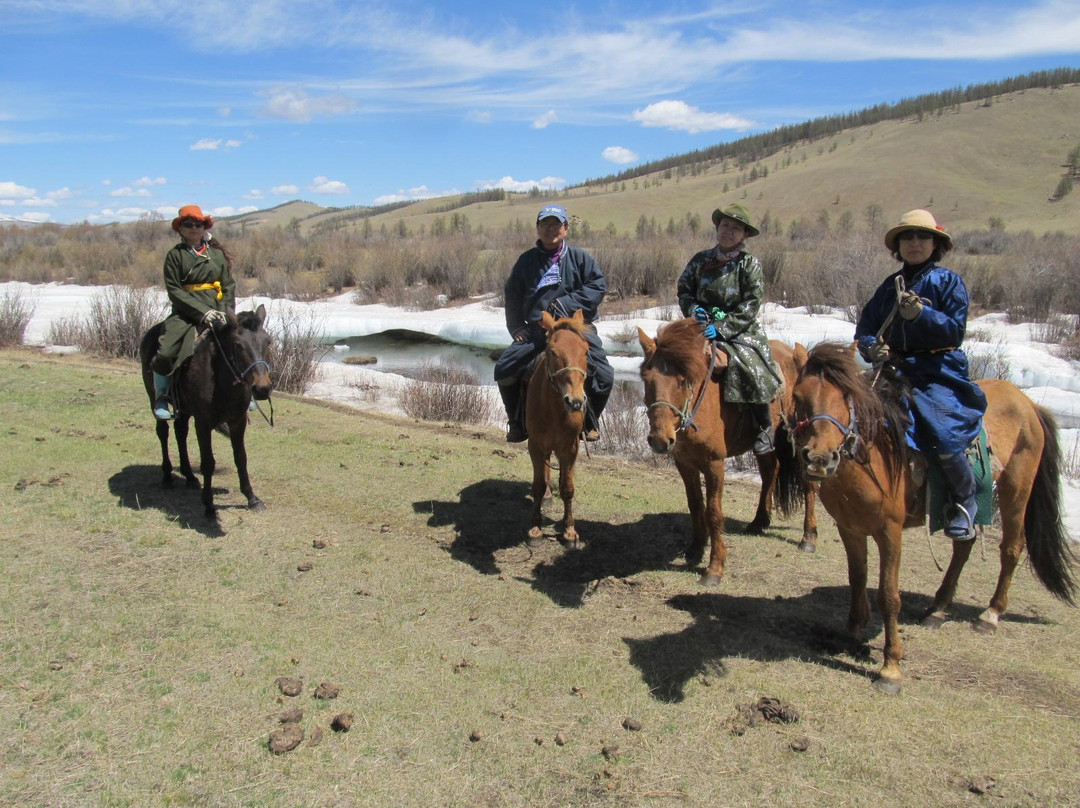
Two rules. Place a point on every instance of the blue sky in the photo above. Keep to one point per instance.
(112, 110)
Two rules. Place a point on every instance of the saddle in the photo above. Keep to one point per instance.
(933, 493)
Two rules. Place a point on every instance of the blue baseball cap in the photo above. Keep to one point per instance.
(558, 211)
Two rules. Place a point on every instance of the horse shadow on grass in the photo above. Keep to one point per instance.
(491, 517)
(139, 487)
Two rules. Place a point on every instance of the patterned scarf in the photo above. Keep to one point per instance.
(722, 257)
(551, 275)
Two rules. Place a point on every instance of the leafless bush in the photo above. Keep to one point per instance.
(1055, 330)
(446, 392)
(16, 309)
(65, 331)
(1070, 465)
(989, 362)
(624, 426)
(295, 350)
(119, 317)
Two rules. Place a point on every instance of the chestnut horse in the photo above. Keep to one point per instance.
(849, 437)
(689, 418)
(555, 416)
(215, 387)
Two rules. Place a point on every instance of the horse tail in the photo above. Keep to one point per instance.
(1047, 542)
(790, 485)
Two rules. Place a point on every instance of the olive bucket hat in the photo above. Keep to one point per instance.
(738, 213)
(916, 220)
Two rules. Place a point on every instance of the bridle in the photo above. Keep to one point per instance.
(687, 412)
(240, 377)
(850, 431)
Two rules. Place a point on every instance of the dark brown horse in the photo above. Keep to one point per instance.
(555, 415)
(689, 418)
(850, 439)
(215, 388)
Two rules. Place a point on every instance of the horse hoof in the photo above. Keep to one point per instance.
(756, 528)
(890, 687)
(710, 580)
(934, 620)
(570, 539)
(808, 546)
(983, 626)
(257, 505)
(536, 537)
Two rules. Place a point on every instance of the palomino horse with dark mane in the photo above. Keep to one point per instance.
(689, 418)
(555, 416)
(215, 387)
(850, 438)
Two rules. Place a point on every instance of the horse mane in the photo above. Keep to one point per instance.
(580, 328)
(680, 344)
(879, 410)
(248, 320)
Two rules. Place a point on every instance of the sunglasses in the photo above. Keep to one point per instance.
(909, 235)
(192, 223)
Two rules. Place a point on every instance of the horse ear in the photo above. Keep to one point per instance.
(800, 357)
(261, 313)
(648, 346)
(579, 316)
(547, 322)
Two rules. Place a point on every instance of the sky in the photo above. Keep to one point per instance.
(118, 110)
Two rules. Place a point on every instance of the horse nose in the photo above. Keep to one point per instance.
(819, 463)
(574, 404)
(660, 445)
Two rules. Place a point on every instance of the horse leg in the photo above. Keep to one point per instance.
(1012, 505)
(714, 518)
(769, 469)
(206, 465)
(943, 598)
(809, 529)
(859, 608)
(695, 551)
(566, 492)
(541, 474)
(889, 543)
(162, 429)
(239, 451)
(181, 425)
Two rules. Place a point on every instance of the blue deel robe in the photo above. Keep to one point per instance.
(946, 407)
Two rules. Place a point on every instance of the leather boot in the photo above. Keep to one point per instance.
(763, 442)
(595, 401)
(510, 390)
(161, 398)
(960, 512)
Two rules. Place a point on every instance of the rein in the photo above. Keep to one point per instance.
(239, 377)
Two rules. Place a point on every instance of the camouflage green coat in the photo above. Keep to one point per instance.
(735, 288)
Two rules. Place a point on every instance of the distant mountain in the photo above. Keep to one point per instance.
(999, 156)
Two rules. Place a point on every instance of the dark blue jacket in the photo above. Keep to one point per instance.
(946, 406)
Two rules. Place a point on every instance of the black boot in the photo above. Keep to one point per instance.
(960, 512)
(515, 413)
(595, 401)
(763, 442)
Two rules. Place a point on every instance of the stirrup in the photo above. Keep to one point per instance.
(763, 443)
(953, 528)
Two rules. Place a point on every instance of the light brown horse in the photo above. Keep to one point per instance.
(689, 418)
(555, 416)
(850, 439)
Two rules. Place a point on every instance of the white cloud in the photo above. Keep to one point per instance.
(680, 116)
(60, 193)
(128, 191)
(620, 155)
(212, 144)
(9, 190)
(36, 216)
(229, 210)
(284, 190)
(325, 185)
(411, 195)
(545, 120)
(523, 186)
(293, 104)
(479, 116)
(147, 182)
(254, 193)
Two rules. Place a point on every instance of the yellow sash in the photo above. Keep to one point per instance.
(200, 287)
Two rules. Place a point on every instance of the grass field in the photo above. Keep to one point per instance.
(141, 645)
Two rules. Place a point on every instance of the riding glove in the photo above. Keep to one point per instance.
(699, 314)
(910, 305)
(878, 352)
(214, 318)
(710, 332)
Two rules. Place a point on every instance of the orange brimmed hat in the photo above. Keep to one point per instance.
(916, 220)
(192, 212)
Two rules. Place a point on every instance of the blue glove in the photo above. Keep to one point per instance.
(710, 332)
(699, 314)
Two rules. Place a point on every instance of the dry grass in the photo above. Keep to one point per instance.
(140, 644)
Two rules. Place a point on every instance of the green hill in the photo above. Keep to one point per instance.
(999, 156)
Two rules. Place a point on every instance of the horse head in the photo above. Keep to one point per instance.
(836, 411)
(249, 345)
(673, 370)
(565, 358)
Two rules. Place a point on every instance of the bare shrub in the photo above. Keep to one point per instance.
(66, 331)
(295, 350)
(626, 335)
(119, 317)
(990, 362)
(1055, 330)
(1070, 463)
(446, 392)
(16, 309)
(625, 426)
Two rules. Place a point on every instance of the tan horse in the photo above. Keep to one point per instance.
(555, 415)
(689, 418)
(850, 439)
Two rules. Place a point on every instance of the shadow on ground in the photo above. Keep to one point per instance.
(139, 487)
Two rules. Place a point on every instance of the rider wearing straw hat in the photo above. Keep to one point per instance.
(916, 321)
(201, 289)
